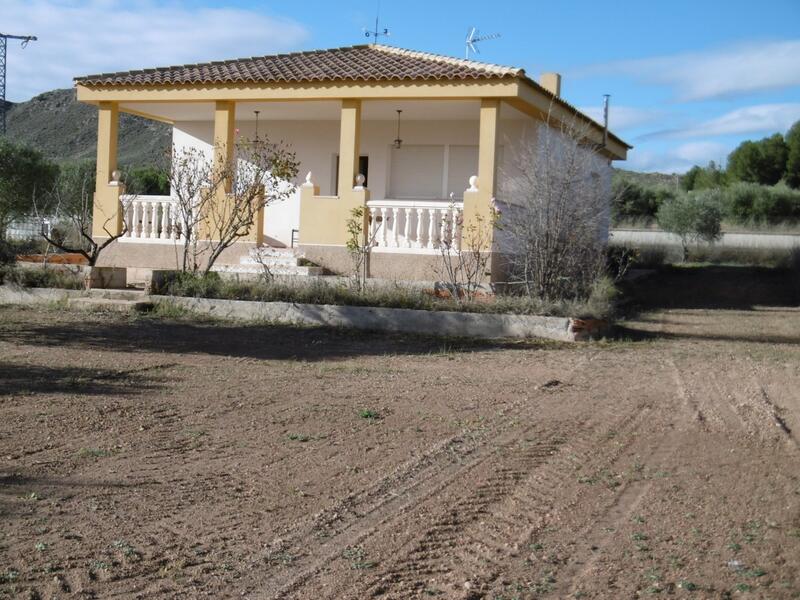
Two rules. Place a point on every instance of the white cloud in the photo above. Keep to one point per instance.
(701, 152)
(90, 36)
(718, 73)
(676, 159)
(767, 118)
(756, 119)
(623, 117)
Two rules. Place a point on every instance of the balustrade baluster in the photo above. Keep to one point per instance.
(154, 220)
(456, 228)
(373, 226)
(418, 241)
(164, 220)
(384, 224)
(431, 228)
(407, 228)
(395, 228)
(134, 225)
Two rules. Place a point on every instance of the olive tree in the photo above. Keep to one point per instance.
(24, 175)
(692, 217)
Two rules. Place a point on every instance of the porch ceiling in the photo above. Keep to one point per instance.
(325, 110)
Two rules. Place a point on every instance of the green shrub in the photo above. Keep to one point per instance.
(632, 201)
(40, 277)
(146, 181)
(754, 204)
(739, 200)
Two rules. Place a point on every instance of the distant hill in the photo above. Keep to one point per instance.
(63, 129)
(648, 179)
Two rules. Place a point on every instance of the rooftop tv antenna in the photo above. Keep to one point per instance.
(377, 32)
(4, 37)
(473, 37)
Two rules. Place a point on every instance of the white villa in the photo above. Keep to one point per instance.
(411, 136)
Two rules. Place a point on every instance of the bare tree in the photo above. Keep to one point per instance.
(554, 225)
(192, 182)
(359, 245)
(219, 204)
(464, 253)
(69, 205)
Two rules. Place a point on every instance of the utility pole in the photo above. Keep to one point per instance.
(4, 37)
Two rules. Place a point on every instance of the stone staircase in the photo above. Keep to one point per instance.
(114, 300)
(280, 261)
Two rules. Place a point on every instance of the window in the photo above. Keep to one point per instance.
(363, 169)
(416, 172)
(431, 172)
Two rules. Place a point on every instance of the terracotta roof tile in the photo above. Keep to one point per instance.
(354, 63)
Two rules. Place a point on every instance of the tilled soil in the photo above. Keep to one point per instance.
(143, 458)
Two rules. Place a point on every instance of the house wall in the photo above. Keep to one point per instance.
(542, 152)
(316, 144)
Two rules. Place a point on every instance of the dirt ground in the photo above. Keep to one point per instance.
(149, 458)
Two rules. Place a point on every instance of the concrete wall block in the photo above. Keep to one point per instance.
(400, 320)
(107, 278)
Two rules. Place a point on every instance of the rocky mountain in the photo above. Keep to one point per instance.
(66, 130)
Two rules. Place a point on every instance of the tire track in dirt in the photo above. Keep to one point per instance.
(458, 536)
(602, 528)
(407, 486)
(386, 503)
(598, 530)
(719, 405)
(497, 507)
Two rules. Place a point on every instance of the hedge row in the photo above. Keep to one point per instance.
(741, 203)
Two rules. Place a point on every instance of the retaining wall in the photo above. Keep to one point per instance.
(402, 320)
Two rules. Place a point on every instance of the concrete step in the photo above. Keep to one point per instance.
(111, 304)
(270, 251)
(109, 294)
(256, 269)
(270, 261)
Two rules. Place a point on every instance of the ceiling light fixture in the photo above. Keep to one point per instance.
(397, 141)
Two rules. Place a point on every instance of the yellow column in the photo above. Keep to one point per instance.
(349, 151)
(107, 213)
(487, 149)
(224, 129)
(349, 145)
(477, 203)
(217, 212)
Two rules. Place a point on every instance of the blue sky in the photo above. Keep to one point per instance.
(688, 80)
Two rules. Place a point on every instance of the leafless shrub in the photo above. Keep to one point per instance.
(555, 222)
(219, 204)
(359, 245)
(69, 207)
(464, 255)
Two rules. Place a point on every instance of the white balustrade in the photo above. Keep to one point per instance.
(151, 219)
(418, 226)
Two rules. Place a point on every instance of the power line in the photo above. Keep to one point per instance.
(4, 37)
